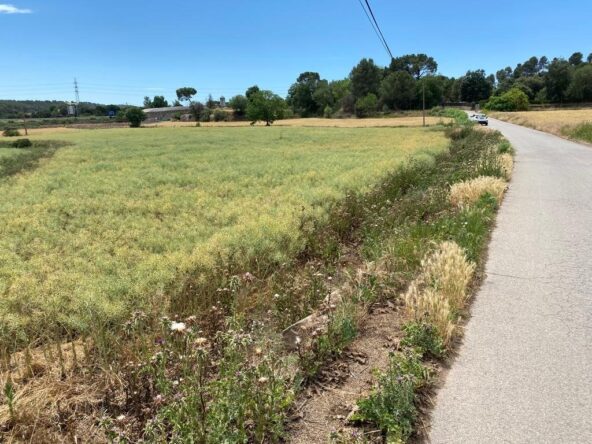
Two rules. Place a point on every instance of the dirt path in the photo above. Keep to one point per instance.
(327, 405)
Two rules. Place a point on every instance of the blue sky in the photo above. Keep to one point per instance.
(122, 50)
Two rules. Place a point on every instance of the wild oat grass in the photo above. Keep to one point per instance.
(439, 293)
(466, 193)
(118, 220)
(449, 272)
(429, 305)
(506, 162)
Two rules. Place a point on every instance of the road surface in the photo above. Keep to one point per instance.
(524, 371)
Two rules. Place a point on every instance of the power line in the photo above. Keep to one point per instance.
(379, 30)
(376, 31)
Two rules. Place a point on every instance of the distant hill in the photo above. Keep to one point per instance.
(14, 109)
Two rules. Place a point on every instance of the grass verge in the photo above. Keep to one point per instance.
(583, 131)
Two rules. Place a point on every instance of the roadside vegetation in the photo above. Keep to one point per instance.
(203, 360)
(583, 131)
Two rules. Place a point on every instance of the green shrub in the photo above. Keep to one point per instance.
(391, 407)
(22, 143)
(135, 116)
(220, 115)
(512, 100)
(366, 106)
(458, 115)
(328, 112)
(11, 132)
(206, 115)
(505, 147)
(424, 338)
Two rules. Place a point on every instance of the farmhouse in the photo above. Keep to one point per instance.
(160, 114)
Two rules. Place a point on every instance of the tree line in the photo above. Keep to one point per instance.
(369, 89)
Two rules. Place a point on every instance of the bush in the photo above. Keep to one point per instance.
(135, 116)
(424, 338)
(11, 132)
(206, 115)
(366, 106)
(327, 112)
(392, 406)
(512, 100)
(22, 143)
(220, 115)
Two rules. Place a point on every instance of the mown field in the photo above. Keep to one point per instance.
(576, 124)
(118, 219)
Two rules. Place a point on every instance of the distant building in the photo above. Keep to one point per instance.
(168, 113)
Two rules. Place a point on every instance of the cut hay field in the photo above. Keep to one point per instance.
(117, 219)
(566, 123)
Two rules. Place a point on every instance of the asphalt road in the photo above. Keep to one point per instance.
(524, 371)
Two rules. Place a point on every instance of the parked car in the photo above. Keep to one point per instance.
(479, 118)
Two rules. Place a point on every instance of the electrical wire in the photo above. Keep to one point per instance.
(374, 27)
(379, 30)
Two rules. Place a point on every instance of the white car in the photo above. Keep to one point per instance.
(481, 119)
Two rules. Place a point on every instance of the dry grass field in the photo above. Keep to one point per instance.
(114, 221)
(381, 122)
(558, 122)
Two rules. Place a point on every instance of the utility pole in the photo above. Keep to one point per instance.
(423, 101)
(25, 124)
(77, 95)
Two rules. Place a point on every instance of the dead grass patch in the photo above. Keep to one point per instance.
(439, 293)
(466, 193)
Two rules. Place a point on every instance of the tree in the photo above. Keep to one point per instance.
(418, 65)
(434, 90)
(577, 58)
(365, 78)
(512, 100)
(475, 87)
(197, 110)
(589, 59)
(265, 106)
(301, 94)
(239, 105)
(397, 90)
(543, 64)
(147, 102)
(557, 80)
(580, 88)
(210, 103)
(252, 90)
(186, 93)
(366, 106)
(135, 117)
(159, 102)
(323, 96)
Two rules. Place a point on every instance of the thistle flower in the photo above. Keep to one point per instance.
(258, 351)
(262, 380)
(178, 327)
